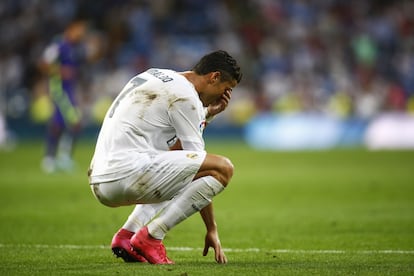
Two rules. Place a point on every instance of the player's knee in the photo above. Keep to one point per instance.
(219, 167)
(227, 169)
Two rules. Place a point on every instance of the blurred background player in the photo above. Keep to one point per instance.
(61, 60)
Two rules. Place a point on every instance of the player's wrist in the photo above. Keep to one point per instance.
(211, 227)
(208, 115)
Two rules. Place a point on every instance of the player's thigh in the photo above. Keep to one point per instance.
(161, 178)
(166, 175)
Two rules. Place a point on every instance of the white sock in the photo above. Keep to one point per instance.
(197, 195)
(141, 215)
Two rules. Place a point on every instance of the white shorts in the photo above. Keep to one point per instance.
(163, 178)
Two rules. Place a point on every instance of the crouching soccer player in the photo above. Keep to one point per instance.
(150, 152)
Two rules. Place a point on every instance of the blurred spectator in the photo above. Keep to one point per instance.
(346, 58)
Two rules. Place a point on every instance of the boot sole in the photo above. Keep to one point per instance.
(119, 252)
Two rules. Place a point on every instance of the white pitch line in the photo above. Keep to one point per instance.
(242, 250)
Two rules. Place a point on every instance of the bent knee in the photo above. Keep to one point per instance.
(220, 167)
(227, 170)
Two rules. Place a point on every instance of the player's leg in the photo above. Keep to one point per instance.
(158, 180)
(53, 133)
(72, 127)
(168, 176)
(139, 217)
(66, 148)
(163, 179)
(218, 167)
(213, 175)
(142, 214)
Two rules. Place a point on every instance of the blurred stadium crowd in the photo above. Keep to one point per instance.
(346, 58)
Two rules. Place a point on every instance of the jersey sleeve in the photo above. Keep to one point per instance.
(188, 123)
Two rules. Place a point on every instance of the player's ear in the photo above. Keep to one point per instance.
(215, 76)
(212, 77)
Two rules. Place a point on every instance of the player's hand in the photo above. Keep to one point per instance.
(212, 240)
(220, 104)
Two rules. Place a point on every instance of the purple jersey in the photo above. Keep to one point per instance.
(64, 59)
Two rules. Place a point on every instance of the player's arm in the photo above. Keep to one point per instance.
(212, 237)
(185, 119)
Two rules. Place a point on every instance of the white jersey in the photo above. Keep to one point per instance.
(154, 109)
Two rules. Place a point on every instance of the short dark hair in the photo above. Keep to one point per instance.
(219, 61)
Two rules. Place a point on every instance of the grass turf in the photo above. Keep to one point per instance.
(335, 212)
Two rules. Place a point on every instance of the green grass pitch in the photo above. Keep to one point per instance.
(336, 212)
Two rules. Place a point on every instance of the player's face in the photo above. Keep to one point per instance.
(219, 88)
(215, 88)
(77, 32)
(216, 91)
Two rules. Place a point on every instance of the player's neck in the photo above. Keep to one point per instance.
(195, 79)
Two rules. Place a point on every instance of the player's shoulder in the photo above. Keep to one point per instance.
(162, 75)
(171, 80)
